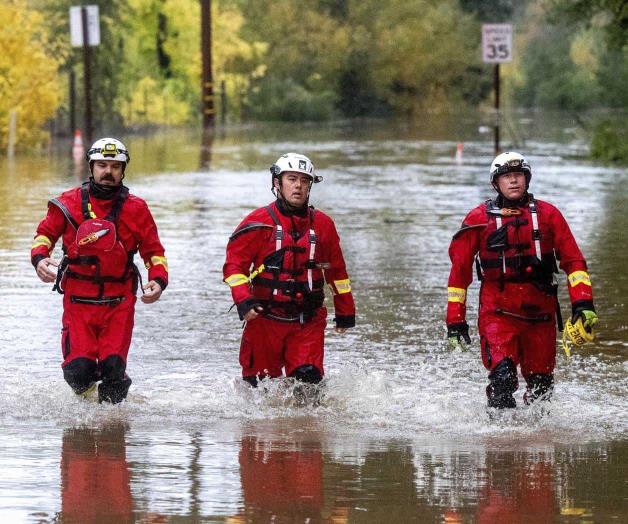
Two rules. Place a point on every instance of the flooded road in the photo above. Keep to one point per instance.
(402, 435)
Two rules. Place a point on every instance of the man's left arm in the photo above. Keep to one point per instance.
(152, 252)
(338, 280)
(573, 263)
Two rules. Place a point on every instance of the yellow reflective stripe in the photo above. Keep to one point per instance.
(579, 277)
(456, 294)
(343, 286)
(156, 261)
(237, 280)
(41, 240)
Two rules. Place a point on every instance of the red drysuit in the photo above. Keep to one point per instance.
(516, 262)
(100, 237)
(281, 261)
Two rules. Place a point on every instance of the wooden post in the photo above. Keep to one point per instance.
(72, 102)
(223, 103)
(12, 139)
(207, 88)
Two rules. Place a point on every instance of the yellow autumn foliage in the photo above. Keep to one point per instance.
(28, 74)
(157, 100)
(153, 102)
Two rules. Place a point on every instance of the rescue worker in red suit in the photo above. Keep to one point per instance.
(102, 226)
(293, 250)
(516, 241)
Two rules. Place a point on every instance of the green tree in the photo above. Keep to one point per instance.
(304, 58)
(550, 78)
(611, 15)
(424, 52)
(164, 59)
(490, 11)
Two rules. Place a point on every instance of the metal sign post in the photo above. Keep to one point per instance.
(496, 49)
(85, 32)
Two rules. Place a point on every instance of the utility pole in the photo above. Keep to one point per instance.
(207, 87)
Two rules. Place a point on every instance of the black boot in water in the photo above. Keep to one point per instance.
(115, 382)
(540, 387)
(502, 384)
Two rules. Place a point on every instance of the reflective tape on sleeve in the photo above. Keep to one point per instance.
(41, 240)
(456, 294)
(156, 261)
(237, 280)
(343, 286)
(579, 277)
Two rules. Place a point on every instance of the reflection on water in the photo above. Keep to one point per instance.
(274, 472)
(95, 476)
(402, 435)
(282, 479)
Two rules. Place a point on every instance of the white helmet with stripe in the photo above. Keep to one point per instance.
(510, 162)
(108, 149)
(294, 163)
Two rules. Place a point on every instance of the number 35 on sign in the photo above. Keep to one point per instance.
(496, 43)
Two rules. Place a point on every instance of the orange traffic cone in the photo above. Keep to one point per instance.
(459, 153)
(78, 150)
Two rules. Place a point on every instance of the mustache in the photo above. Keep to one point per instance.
(109, 177)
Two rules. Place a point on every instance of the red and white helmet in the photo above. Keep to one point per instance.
(510, 162)
(294, 163)
(108, 149)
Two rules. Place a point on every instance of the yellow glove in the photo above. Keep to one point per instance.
(456, 332)
(579, 330)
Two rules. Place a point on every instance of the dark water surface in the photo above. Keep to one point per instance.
(402, 435)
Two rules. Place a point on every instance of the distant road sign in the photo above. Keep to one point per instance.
(496, 43)
(76, 26)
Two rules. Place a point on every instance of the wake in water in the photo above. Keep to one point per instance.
(437, 397)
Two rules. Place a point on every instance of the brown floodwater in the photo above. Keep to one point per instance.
(402, 434)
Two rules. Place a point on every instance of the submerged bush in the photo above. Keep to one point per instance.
(288, 101)
(610, 142)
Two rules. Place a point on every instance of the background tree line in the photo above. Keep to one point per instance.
(307, 59)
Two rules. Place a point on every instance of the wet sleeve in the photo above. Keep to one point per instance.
(241, 251)
(572, 262)
(48, 232)
(338, 280)
(462, 250)
(150, 248)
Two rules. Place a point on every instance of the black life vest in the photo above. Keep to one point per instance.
(501, 260)
(286, 294)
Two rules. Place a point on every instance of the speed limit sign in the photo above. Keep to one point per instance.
(496, 43)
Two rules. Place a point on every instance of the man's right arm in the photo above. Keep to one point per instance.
(241, 250)
(48, 232)
(462, 250)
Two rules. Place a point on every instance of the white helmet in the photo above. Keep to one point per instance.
(510, 162)
(108, 149)
(294, 163)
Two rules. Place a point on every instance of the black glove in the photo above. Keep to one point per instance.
(456, 332)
